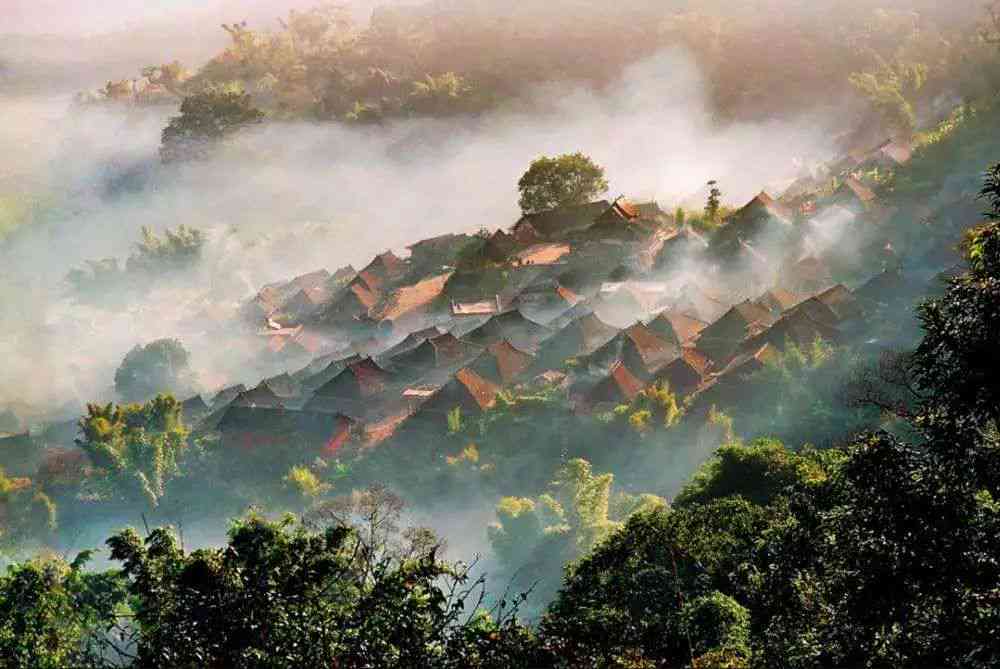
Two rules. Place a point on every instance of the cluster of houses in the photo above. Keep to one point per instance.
(600, 300)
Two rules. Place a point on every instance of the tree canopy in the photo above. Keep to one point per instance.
(565, 180)
(159, 366)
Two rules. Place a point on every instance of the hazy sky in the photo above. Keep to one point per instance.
(67, 17)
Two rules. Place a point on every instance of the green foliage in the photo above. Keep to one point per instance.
(569, 179)
(799, 396)
(136, 448)
(279, 595)
(28, 515)
(305, 484)
(891, 87)
(757, 472)
(717, 622)
(634, 595)
(575, 513)
(206, 118)
(160, 366)
(455, 420)
(442, 95)
(179, 249)
(714, 202)
(54, 615)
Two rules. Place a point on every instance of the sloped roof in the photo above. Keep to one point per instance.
(556, 222)
(796, 327)
(512, 326)
(358, 380)
(361, 289)
(758, 215)
(262, 395)
(502, 363)
(763, 203)
(676, 327)
(385, 268)
(841, 300)
(483, 392)
(581, 336)
(411, 341)
(543, 254)
(695, 301)
(637, 347)
(686, 373)
(332, 369)
(778, 300)
(194, 407)
(437, 352)
(284, 385)
(408, 299)
(858, 189)
(745, 363)
(721, 339)
(809, 271)
(620, 385)
(283, 421)
(227, 395)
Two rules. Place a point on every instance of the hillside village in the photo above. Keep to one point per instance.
(599, 301)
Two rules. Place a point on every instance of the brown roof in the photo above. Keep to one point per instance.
(409, 299)
(841, 301)
(652, 349)
(676, 327)
(556, 222)
(796, 327)
(861, 191)
(502, 363)
(778, 300)
(686, 373)
(361, 290)
(619, 385)
(482, 391)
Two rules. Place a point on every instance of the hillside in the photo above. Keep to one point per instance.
(369, 408)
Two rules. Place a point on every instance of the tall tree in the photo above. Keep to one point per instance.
(565, 180)
(206, 119)
(159, 366)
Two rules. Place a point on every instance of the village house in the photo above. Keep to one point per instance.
(277, 435)
(580, 337)
(675, 327)
(466, 391)
(639, 348)
(555, 224)
(720, 340)
(436, 355)
(685, 374)
(502, 364)
(358, 382)
(620, 386)
(761, 219)
(778, 300)
(511, 326)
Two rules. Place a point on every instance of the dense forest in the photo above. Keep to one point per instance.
(706, 431)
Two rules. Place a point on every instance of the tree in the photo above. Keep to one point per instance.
(566, 180)
(713, 204)
(206, 118)
(136, 448)
(891, 88)
(55, 615)
(179, 249)
(444, 94)
(279, 595)
(160, 366)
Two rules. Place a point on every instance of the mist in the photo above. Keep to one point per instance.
(286, 198)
